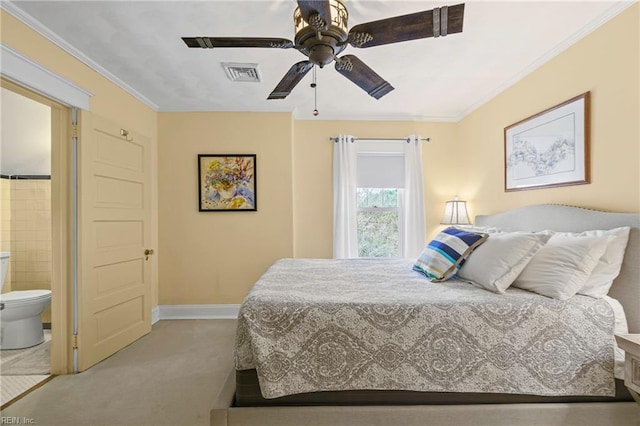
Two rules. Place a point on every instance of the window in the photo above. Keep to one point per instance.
(378, 222)
(380, 175)
(378, 203)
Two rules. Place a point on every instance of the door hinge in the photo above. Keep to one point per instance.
(74, 130)
(75, 341)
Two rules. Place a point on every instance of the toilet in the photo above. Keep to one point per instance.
(20, 323)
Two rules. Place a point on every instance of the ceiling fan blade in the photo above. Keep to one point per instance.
(290, 80)
(436, 22)
(363, 76)
(216, 42)
(322, 8)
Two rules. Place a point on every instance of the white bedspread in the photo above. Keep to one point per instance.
(320, 325)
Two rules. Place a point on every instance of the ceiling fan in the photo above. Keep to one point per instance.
(321, 34)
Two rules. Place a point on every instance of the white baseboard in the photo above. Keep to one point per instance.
(173, 312)
(155, 314)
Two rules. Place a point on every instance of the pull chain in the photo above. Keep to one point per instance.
(315, 93)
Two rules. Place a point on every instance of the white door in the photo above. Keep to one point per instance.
(114, 288)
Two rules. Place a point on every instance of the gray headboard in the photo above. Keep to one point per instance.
(626, 288)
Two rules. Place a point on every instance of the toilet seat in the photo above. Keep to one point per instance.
(24, 296)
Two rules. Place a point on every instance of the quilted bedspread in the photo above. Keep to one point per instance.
(320, 325)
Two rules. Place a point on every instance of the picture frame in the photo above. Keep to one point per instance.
(227, 182)
(549, 149)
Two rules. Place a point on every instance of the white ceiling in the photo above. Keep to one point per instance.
(138, 44)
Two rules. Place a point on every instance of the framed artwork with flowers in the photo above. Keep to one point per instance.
(550, 148)
(227, 182)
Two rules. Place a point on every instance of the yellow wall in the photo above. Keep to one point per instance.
(108, 100)
(5, 227)
(604, 63)
(313, 174)
(215, 257)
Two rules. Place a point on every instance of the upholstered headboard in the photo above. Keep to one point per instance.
(626, 288)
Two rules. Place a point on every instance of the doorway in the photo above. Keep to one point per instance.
(100, 189)
(34, 192)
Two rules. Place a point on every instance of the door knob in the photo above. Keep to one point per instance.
(147, 253)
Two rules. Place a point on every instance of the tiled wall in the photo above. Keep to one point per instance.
(5, 225)
(30, 235)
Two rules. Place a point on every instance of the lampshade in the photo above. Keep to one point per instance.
(455, 213)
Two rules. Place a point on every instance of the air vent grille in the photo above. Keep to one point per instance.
(242, 72)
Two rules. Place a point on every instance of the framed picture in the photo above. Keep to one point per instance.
(227, 182)
(550, 148)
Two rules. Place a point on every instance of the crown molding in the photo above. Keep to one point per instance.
(613, 11)
(306, 116)
(37, 26)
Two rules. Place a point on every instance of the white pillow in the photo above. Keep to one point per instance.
(608, 267)
(495, 264)
(563, 265)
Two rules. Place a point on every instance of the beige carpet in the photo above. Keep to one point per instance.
(169, 377)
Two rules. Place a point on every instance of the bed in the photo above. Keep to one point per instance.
(312, 332)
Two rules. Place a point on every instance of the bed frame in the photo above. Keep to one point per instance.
(626, 289)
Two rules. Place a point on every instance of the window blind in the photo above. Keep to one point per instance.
(376, 170)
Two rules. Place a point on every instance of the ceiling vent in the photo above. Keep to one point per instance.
(242, 72)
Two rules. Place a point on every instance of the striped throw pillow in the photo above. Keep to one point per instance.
(445, 254)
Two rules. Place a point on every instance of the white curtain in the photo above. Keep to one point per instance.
(345, 160)
(413, 221)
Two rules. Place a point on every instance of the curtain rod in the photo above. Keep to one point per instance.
(382, 139)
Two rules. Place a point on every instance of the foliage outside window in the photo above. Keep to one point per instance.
(378, 226)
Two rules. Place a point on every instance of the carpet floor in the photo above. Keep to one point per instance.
(168, 377)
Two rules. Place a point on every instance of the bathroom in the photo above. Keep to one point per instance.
(25, 234)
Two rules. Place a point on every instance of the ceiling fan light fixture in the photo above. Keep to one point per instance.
(242, 72)
(339, 17)
(321, 55)
(318, 39)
